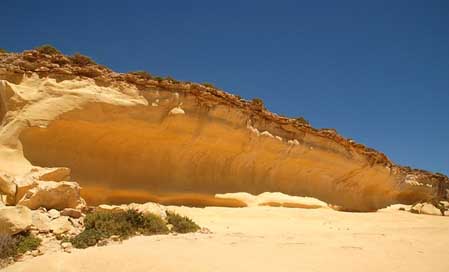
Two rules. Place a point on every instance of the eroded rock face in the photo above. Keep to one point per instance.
(14, 219)
(130, 138)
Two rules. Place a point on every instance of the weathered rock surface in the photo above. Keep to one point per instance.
(8, 189)
(55, 174)
(178, 142)
(53, 214)
(53, 195)
(61, 225)
(40, 221)
(7, 185)
(14, 219)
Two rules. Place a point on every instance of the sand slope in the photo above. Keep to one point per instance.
(274, 239)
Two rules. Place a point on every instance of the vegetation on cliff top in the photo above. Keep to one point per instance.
(48, 49)
(81, 60)
(142, 74)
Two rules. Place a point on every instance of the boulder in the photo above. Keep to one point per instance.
(74, 213)
(23, 186)
(55, 174)
(14, 219)
(425, 208)
(8, 187)
(40, 221)
(53, 214)
(109, 208)
(61, 225)
(36, 176)
(53, 195)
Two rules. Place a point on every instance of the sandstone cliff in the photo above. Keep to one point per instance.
(130, 137)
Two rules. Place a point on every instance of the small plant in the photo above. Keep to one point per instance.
(81, 60)
(142, 74)
(87, 238)
(47, 49)
(3, 50)
(257, 102)
(181, 224)
(27, 242)
(210, 85)
(302, 120)
(158, 78)
(153, 224)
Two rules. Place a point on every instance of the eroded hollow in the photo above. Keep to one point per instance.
(141, 153)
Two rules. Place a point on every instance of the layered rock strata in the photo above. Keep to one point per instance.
(129, 137)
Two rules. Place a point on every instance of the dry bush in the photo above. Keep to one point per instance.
(142, 74)
(81, 60)
(48, 49)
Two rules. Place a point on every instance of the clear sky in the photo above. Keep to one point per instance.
(377, 71)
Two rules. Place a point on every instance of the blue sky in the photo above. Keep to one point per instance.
(377, 71)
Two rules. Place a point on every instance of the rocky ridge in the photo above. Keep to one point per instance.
(37, 188)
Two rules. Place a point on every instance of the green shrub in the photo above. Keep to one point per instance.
(8, 246)
(87, 238)
(158, 78)
(181, 224)
(47, 49)
(153, 224)
(27, 242)
(102, 225)
(3, 50)
(11, 246)
(112, 223)
(81, 60)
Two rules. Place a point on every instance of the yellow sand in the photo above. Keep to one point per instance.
(273, 239)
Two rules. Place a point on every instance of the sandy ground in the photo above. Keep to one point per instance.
(273, 239)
